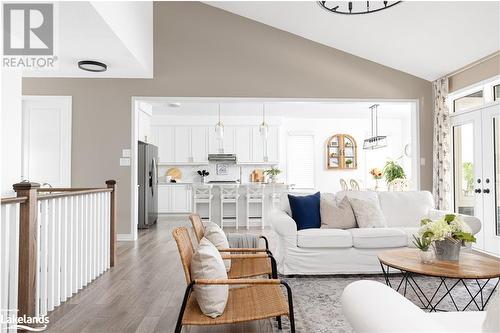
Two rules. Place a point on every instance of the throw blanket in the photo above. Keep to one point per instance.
(243, 240)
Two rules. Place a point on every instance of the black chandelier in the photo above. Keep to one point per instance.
(356, 7)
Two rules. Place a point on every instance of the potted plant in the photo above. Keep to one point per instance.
(272, 173)
(424, 245)
(392, 170)
(448, 235)
(349, 163)
(376, 174)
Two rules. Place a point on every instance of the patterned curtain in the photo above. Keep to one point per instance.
(441, 145)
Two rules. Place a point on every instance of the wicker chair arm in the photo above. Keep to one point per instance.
(237, 281)
(242, 249)
(244, 256)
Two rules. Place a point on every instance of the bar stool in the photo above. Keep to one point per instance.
(278, 193)
(202, 194)
(255, 195)
(229, 194)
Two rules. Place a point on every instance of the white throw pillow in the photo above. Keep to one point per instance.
(335, 216)
(217, 236)
(207, 264)
(492, 321)
(368, 213)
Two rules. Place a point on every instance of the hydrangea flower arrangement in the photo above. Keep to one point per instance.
(449, 227)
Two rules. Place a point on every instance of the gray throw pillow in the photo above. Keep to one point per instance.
(335, 216)
(368, 213)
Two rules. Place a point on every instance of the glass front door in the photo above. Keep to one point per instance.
(491, 175)
(476, 172)
(463, 167)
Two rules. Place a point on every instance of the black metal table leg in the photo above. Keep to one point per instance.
(408, 279)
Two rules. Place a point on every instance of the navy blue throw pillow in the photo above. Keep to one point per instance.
(305, 210)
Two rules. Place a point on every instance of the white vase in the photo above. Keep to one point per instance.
(377, 187)
(426, 257)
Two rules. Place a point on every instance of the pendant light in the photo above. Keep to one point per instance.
(219, 129)
(375, 141)
(263, 128)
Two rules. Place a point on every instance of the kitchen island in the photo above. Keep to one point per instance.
(177, 198)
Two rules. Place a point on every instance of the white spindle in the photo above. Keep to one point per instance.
(57, 248)
(44, 233)
(64, 224)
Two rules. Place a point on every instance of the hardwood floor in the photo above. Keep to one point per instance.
(142, 293)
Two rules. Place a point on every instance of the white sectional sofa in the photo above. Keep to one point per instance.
(353, 251)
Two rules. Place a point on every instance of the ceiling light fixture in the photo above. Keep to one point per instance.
(356, 7)
(263, 128)
(92, 66)
(375, 141)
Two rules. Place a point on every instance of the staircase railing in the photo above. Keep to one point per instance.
(53, 242)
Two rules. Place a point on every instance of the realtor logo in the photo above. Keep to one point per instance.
(28, 35)
(28, 29)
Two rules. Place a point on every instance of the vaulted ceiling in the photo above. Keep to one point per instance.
(426, 39)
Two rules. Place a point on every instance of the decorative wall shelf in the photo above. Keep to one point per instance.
(341, 152)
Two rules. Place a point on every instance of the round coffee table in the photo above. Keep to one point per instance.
(472, 267)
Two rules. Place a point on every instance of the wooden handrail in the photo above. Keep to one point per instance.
(13, 200)
(66, 189)
(73, 193)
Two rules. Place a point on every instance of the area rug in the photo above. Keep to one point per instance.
(318, 307)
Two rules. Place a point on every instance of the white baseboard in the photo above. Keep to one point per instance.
(124, 237)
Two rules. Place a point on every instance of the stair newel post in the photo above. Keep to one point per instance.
(28, 236)
(112, 230)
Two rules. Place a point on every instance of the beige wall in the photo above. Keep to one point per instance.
(204, 51)
(477, 73)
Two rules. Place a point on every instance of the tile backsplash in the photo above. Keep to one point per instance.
(234, 172)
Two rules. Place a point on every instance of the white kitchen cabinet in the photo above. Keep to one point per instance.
(166, 144)
(243, 144)
(199, 144)
(229, 139)
(257, 146)
(192, 144)
(228, 143)
(182, 144)
(213, 143)
(174, 199)
(273, 144)
(164, 205)
(265, 150)
(181, 198)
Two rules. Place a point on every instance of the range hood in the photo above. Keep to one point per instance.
(225, 158)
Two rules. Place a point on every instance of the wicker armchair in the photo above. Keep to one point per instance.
(258, 299)
(262, 263)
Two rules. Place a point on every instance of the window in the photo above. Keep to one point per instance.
(496, 92)
(300, 160)
(468, 102)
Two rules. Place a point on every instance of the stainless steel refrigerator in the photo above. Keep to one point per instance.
(148, 184)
